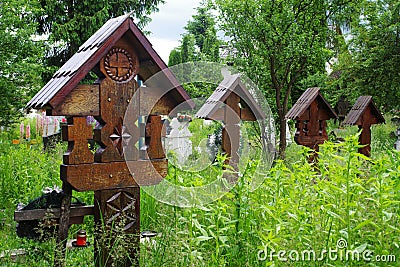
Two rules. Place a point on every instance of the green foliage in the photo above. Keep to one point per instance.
(199, 43)
(70, 23)
(375, 49)
(279, 44)
(20, 54)
(299, 206)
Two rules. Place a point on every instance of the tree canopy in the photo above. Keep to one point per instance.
(20, 58)
(279, 43)
(199, 43)
(69, 23)
(374, 45)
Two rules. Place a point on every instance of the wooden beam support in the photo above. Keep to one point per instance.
(97, 176)
(54, 213)
(153, 137)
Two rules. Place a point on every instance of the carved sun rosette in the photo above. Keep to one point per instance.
(119, 65)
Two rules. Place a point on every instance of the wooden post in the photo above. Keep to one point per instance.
(365, 138)
(61, 242)
(117, 219)
(364, 113)
(311, 111)
(231, 134)
(113, 53)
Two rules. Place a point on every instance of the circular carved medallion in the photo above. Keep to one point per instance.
(119, 65)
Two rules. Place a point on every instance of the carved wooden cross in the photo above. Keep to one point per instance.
(77, 133)
(119, 64)
(115, 171)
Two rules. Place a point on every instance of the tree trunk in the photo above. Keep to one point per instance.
(282, 136)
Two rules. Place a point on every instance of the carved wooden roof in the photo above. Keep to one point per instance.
(90, 53)
(230, 84)
(359, 108)
(305, 100)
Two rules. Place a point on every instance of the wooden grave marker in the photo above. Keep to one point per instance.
(118, 53)
(364, 113)
(231, 103)
(311, 111)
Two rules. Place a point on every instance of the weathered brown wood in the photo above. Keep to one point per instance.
(90, 63)
(83, 100)
(114, 100)
(90, 53)
(153, 137)
(365, 136)
(324, 114)
(304, 102)
(231, 133)
(117, 215)
(247, 115)
(218, 115)
(231, 84)
(113, 53)
(97, 176)
(314, 125)
(77, 133)
(61, 242)
(154, 101)
(364, 113)
(311, 111)
(54, 213)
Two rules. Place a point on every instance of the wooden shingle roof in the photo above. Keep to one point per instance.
(230, 84)
(359, 108)
(91, 52)
(305, 100)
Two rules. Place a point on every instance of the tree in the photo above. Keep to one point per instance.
(199, 43)
(70, 23)
(375, 53)
(20, 54)
(203, 28)
(279, 43)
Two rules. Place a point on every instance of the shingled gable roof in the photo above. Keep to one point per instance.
(305, 101)
(231, 83)
(359, 108)
(91, 52)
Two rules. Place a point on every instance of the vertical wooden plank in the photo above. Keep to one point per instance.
(231, 131)
(313, 129)
(231, 134)
(117, 220)
(114, 100)
(153, 137)
(365, 137)
(61, 242)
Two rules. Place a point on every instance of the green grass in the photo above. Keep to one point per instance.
(298, 207)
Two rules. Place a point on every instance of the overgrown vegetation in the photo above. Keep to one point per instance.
(299, 207)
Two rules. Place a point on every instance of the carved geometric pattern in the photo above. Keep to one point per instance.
(120, 137)
(119, 65)
(122, 206)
